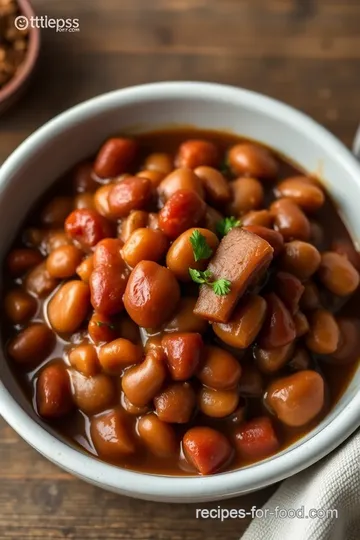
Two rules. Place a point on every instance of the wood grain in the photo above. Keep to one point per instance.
(304, 52)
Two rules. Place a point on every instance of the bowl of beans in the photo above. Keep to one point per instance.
(180, 289)
(19, 49)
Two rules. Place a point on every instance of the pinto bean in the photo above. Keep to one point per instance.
(93, 394)
(300, 258)
(279, 328)
(296, 399)
(274, 238)
(155, 177)
(56, 211)
(301, 324)
(217, 188)
(290, 220)
(111, 435)
(101, 328)
(324, 334)
(310, 298)
(253, 160)
(308, 196)
(178, 180)
(159, 297)
(246, 194)
(20, 261)
(160, 162)
(184, 318)
(84, 359)
(289, 289)
(141, 383)
(101, 200)
(196, 153)
(39, 282)
(206, 449)
(218, 403)
(108, 252)
(119, 354)
(53, 393)
(263, 218)
(245, 323)
(83, 178)
(137, 219)
(176, 403)
(115, 157)
(145, 244)
(251, 382)
(338, 274)
(63, 262)
(85, 268)
(107, 286)
(158, 436)
(271, 360)
(69, 306)
(220, 369)
(19, 306)
(32, 345)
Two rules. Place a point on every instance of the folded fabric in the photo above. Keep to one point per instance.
(331, 486)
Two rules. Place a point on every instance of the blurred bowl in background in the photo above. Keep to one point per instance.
(13, 89)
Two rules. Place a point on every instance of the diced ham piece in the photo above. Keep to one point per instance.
(241, 258)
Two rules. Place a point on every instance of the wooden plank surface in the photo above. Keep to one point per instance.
(304, 52)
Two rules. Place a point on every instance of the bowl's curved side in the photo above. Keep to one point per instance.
(65, 140)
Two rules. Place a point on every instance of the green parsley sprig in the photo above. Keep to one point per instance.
(221, 287)
(225, 225)
(201, 248)
(109, 325)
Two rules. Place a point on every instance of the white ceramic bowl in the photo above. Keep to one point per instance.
(76, 134)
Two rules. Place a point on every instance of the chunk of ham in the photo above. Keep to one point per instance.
(242, 257)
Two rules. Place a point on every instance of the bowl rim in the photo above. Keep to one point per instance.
(183, 488)
(27, 66)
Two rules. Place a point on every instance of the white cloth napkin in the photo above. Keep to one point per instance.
(331, 484)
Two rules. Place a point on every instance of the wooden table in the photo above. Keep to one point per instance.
(304, 52)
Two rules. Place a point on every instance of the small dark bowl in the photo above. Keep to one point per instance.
(10, 93)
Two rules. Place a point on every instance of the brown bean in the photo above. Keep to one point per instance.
(290, 220)
(159, 162)
(274, 238)
(253, 160)
(20, 261)
(300, 258)
(84, 358)
(183, 353)
(245, 323)
(317, 236)
(93, 394)
(176, 403)
(218, 403)
(289, 289)
(39, 282)
(206, 449)
(145, 244)
(137, 219)
(53, 392)
(101, 200)
(348, 346)
(141, 383)
(211, 219)
(184, 318)
(300, 360)
(131, 408)
(246, 194)
(33, 237)
(54, 239)
(271, 360)
(301, 324)
(159, 296)
(220, 369)
(154, 343)
(158, 436)
(56, 211)
(83, 178)
(32, 345)
(195, 153)
(63, 261)
(155, 177)
(19, 306)
(279, 328)
(69, 306)
(217, 188)
(132, 193)
(107, 286)
(296, 399)
(115, 157)
(345, 247)
(338, 274)
(101, 329)
(153, 221)
(178, 180)
(111, 435)
(84, 200)
(251, 382)
(258, 217)
(115, 356)
(324, 334)
(180, 256)
(308, 196)
(108, 253)
(310, 298)
(85, 268)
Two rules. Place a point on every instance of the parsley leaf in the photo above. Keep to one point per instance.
(225, 225)
(221, 287)
(109, 325)
(201, 248)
